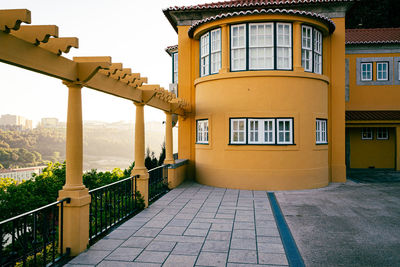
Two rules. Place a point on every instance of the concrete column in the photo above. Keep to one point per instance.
(76, 213)
(224, 49)
(398, 148)
(169, 156)
(297, 47)
(140, 169)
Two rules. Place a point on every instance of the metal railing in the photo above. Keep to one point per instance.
(112, 204)
(158, 182)
(34, 238)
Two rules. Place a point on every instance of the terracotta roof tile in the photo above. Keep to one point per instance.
(171, 49)
(373, 36)
(251, 4)
(388, 115)
(328, 21)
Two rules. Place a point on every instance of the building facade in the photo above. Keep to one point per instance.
(373, 98)
(266, 81)
(22, 173)
(14, 122)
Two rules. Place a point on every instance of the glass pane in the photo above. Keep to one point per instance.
(241, 125)
(281, 137)
(235, 136)
(241, 136)
(287, 136)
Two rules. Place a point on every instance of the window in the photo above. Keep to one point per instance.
(238, 44)
(284, 46)
(311, 49)
(382, 71)
(366, 71)
(306, 48)
(210, 52)
(285, 131)
(261, 131)
(261, 46)
(238, 131)
(215, 51)
(174, 67)
(202, 132)
(204, 54)
(321, 132)
(317, 52)
(382, 133)
(366, 133)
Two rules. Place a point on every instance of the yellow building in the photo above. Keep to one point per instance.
(266, 82)
(373, 98)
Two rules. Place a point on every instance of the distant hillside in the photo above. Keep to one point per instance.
(105, 145)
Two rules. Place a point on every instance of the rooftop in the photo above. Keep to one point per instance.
(373, 36)
(251, 4)
(379, 115)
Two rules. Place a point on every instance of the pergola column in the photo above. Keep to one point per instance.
(169, 156)
(297, 46)
(76, 213)
(140, 169)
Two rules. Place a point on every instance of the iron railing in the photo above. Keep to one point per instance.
(158, 182)
(34, 238)
(112, 204)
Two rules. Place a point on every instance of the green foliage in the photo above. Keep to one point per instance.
(373, 14)
(161, 158)
(139, 200)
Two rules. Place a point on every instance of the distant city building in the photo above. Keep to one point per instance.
(49, 123)
(14, 122)
(22, 173)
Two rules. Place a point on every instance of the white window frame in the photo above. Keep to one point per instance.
(202, 131)
(384, 73)
(367, 133)
(321, 131)
(238, 47)
(368, 73)
(317, 47)
(261, 132)
(175, 67)
(254, 131)
(215, 48)
(382, 133)
(286, 47)
(307, 48)
(258, 45)
(233, 131)
(284, 131)
(205, 54)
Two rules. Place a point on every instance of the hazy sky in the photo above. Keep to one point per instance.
(133, 32)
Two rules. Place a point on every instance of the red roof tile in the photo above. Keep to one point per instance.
(326, 20)
(373, 36)
(388, 115)
(252, 4)
(171, 49)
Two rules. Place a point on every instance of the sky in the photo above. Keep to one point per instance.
(132, 32)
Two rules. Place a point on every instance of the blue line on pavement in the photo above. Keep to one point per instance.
(292, 252)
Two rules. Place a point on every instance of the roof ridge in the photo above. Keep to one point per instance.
(262, 11)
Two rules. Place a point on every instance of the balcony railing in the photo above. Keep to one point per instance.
(34, 238)
(158, 182)
(112, 204)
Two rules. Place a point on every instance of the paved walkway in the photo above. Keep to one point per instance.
(194, 225)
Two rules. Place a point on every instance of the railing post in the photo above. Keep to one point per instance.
(140, 169)
(75, 213)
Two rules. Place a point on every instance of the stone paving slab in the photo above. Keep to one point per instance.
(194, 225)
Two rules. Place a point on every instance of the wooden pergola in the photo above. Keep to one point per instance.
(39, 48)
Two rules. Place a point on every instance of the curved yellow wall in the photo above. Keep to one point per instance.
(300, 95)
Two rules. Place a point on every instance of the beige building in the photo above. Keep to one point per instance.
(15, 121)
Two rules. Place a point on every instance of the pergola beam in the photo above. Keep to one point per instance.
(20, 53)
